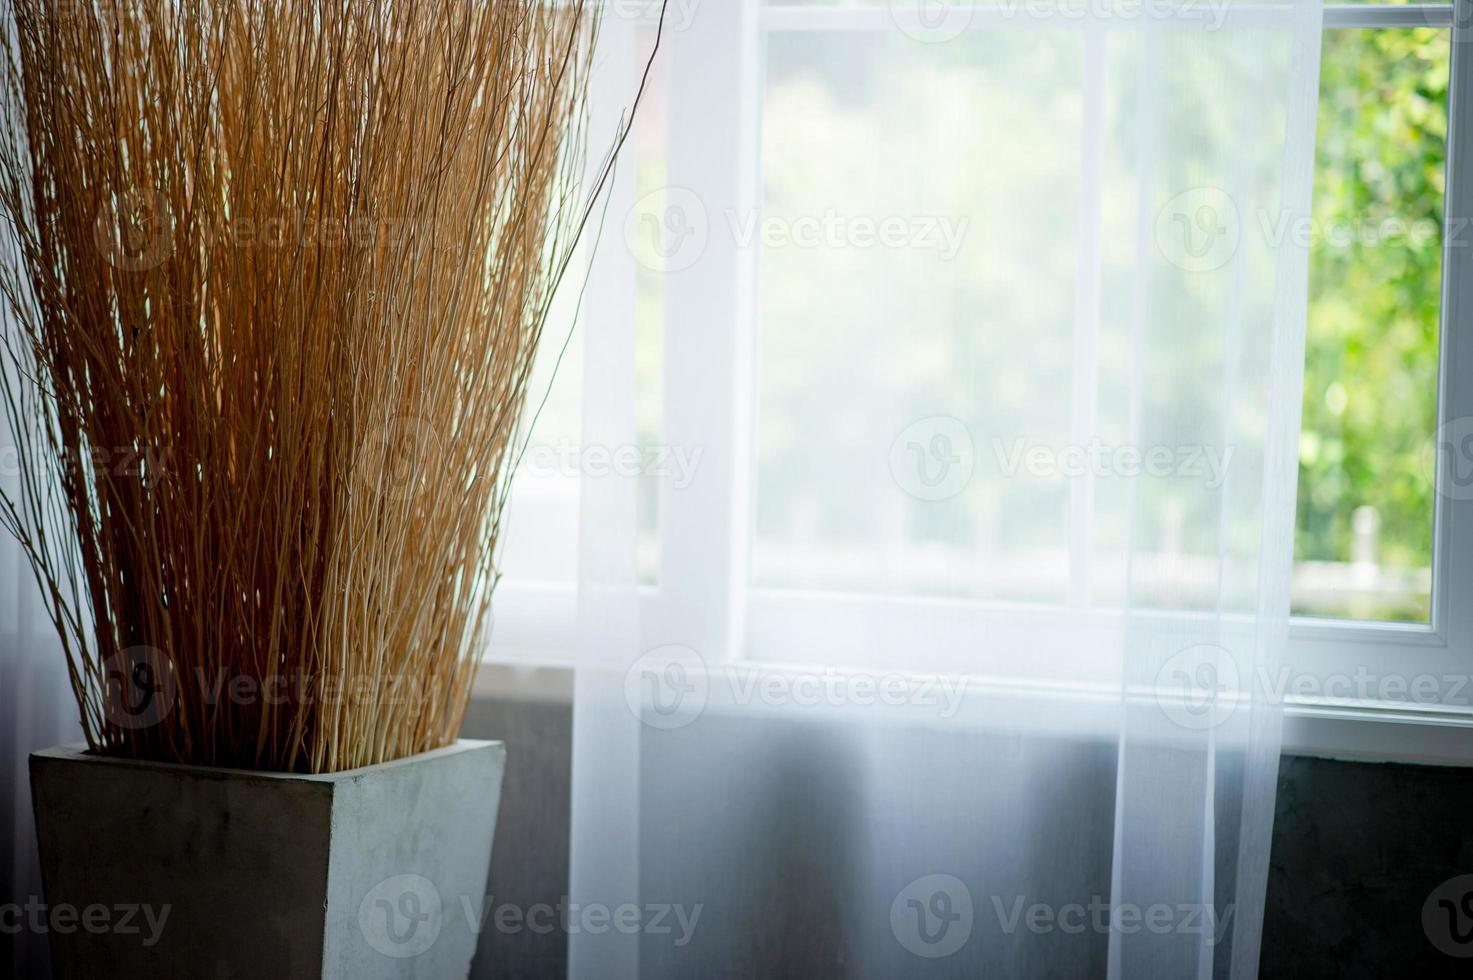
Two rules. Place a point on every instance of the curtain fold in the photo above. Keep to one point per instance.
(1076, 780)
(37, 711)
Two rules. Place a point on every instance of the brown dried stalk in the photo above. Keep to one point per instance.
(277, 272)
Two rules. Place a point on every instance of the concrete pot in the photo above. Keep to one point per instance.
(376, 872)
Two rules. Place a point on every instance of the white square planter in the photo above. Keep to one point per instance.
(358, 874)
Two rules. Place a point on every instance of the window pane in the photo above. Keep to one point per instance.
(905, 263)
(539, 546)
(1364, 530)
(947, 405)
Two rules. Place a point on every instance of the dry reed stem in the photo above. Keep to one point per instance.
(277, 272)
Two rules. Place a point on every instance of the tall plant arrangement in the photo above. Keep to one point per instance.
(276, 271)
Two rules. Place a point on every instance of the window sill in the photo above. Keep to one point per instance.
(1378, 731)
(1360, 731)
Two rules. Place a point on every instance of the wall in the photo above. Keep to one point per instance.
(1357, 849)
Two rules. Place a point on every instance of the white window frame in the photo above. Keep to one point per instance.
(713, 70)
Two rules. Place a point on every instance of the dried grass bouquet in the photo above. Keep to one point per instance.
(275, 273)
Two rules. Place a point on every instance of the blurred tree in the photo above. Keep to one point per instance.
(1375, 278)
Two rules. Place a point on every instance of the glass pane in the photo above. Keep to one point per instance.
(540, 538)
(1363, 542)
(891, 310)
(947, 405)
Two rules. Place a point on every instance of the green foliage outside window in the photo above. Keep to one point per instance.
(1375, 280)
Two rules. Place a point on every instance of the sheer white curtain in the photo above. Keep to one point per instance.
(37, 710)
(955, 657)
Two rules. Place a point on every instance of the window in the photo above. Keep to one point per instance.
(1365, 517)
(803, 568)
(1382, 521)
